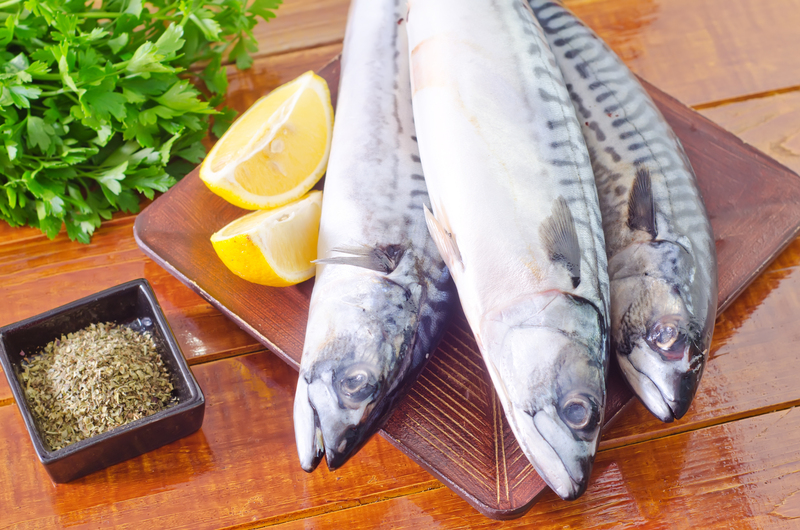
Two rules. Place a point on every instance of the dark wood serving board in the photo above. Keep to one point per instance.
(451, 422)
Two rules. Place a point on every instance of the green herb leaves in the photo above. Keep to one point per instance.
(96, 103)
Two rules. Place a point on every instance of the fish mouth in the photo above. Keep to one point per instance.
(576, 486)
(307, 430)
(655, 397)
(349, 444)
(568, 478)
(646, 390)
(336, 436)
(345, 445)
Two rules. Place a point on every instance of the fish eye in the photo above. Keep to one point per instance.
(580, 412)
(356, 384)
(666, 336)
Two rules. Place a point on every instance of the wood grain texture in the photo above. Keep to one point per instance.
(6, 398)
(699, 51)
(770, 124)
(451, 422)
(241, 466)
(39, 274)
(702, 51)
(737, 475)
(302, 24)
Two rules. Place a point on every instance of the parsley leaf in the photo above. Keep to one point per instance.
(96, 106)
(183, 96)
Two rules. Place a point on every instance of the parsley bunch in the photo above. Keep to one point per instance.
(97, 104)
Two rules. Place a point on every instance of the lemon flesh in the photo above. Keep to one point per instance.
(277, 150)
(273, 247)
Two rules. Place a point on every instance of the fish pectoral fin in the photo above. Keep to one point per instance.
(561, 240)
(444, 241)
(641, 207)
(383, 258)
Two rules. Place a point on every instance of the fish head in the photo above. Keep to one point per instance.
(549, 372)
(357, 342)
(660, 342)
(334, 406)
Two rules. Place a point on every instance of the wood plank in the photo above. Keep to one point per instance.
(697, 51)
(19, 234)
(771, 124)
(6, 398)
(240, 467)
(744, 474)
(302, 24)
(760, 325)
(37, 274)
(702, 51)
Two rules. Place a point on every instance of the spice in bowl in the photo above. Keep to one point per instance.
(93, 380)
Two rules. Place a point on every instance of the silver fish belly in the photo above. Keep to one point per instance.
(516, 218)
(382, 293)
(661, 254)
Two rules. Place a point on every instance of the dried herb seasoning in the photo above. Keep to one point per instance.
(90, 381)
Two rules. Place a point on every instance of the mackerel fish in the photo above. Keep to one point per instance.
(661, 255)
(382, 294)
(516, 219)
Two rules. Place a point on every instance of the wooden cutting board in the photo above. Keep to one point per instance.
(451, 422)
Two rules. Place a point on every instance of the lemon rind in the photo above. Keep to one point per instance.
(269, 273)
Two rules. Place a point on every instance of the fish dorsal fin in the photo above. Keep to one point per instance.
(378, 258)
(561, 240)
(641, 208)
(444, 241)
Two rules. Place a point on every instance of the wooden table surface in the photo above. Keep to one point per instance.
(732, 462)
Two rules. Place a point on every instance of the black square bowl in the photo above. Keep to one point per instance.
(131, 304)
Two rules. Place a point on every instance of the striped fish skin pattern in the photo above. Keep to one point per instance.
(516, 218)
(661, 253)
(382, 294)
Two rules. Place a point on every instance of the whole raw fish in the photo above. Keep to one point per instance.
(661, 255)
(382, 293)
(516, 218)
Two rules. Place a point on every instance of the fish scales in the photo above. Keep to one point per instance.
(516, 218)
(662, 260)
(382, 294)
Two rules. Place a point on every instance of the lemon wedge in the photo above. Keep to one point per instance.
(277, 150)
(273, 247)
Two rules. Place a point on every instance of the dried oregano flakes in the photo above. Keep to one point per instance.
(90, 381)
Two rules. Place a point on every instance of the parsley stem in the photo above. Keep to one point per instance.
(119, 67)
(54, 92)
(54, 77)
(99, 14)
(9, 3)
